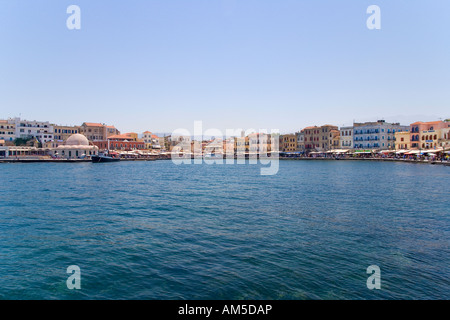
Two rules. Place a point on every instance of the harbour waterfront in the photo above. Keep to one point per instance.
(154, 230)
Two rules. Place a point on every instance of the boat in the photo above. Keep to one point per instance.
(104, 158)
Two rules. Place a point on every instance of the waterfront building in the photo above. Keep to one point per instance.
(260, 143)
(300, 141)
(151, 141)
(346, 137)
(98, 131)
(241, 145)
(110, 131)
(327, 133)
(62, 133)
(93, 131)
(125, 142)
(334, 139)
(147, 138)
(426, 135)
(288, 143)
(215, 146)
(21, 151)
(444, 140)
(312, 137)
(321, 138)
(40, 130)
(7, 131)
(180, 141)
(76, 146)
(402, 140)
(376, 135)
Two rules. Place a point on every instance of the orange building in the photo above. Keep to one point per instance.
(426, 135)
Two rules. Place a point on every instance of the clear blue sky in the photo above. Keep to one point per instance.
(285, 64)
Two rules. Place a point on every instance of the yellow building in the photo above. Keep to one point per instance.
(7, 131)
(429, 138)
(288, 143)
(62, 133)
(402, 140)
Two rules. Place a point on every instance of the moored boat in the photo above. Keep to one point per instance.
(104, 158)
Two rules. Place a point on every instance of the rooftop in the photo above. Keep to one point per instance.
(93, 124)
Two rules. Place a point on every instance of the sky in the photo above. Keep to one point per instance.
(264, 64)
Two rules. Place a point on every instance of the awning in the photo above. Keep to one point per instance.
(433, 151)
(387, 151)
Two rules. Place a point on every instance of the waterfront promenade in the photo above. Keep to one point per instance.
(445, 163)
(420, 161)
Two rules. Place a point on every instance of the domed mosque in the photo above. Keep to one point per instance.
(75, 147)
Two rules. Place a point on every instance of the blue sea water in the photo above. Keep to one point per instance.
(154, 230)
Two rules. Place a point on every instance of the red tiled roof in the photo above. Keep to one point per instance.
(120, 136)
(430, 122)
(92, 124)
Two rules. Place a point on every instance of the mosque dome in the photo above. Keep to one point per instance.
(77, 140)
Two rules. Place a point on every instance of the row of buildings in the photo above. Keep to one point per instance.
(19, 137)
(378, 135)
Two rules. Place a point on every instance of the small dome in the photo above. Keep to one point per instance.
(77, 140)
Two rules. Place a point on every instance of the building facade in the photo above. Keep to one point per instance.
(288, 143)
(76, 146)
(427, 135)
(97, 131)
(151, 141)
(300, 141)
(7, 131)
(376, 135)
(62, 133)
(124, 142)
(42, 131)
(327, 134)
(312, 137)
(346, 137)
(402, 140)
(444, 140)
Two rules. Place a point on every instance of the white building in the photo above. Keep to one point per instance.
(75, 147)
(7, 131)
(41, 130)
(376, 135)
(300, 141)
(346, 137)
(151, 141)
